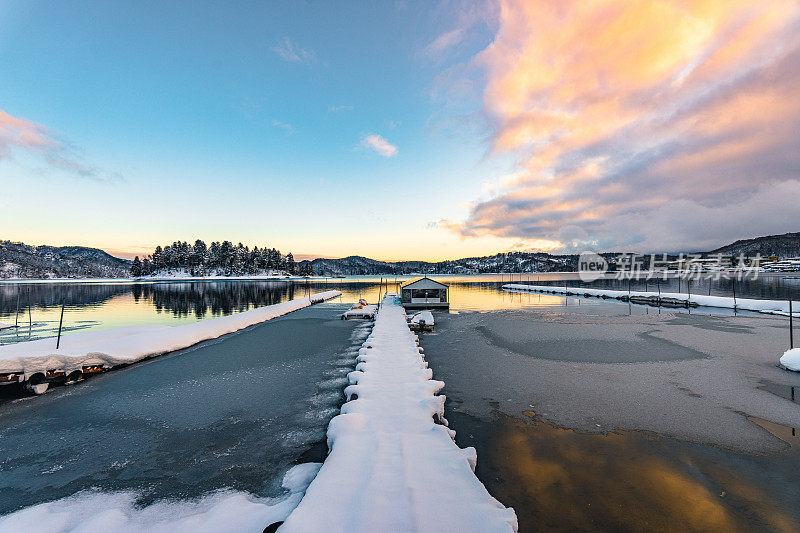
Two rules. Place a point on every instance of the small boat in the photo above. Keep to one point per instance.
(422, 321)
(361, 309)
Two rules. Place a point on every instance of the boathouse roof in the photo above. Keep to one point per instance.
(424, 283)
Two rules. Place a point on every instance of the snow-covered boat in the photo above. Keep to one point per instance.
(360, 309)
(422, 321)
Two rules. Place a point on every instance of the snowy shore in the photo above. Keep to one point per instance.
(391, 466)
(124, 345)
(773, 307)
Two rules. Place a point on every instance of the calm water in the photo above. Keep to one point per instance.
(36, 307)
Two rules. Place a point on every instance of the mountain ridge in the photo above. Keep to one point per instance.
(18, 260)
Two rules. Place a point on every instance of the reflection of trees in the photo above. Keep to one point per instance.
(181, 298)
(220, 298)
(44, 295)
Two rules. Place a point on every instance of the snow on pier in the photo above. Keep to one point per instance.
(108, 348)
(393, 464)
(774, 307)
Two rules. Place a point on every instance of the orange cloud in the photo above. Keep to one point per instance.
(616, 108)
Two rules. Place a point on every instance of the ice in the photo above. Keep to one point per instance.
(133, 343)
(774, 307)
(391, 466)
(217, 512)
(791, 359)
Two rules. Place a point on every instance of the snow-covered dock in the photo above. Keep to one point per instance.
(392, 463)
(38, 362)
(774, 307)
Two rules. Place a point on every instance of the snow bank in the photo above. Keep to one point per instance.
(774, 307)
(791, 359)
(390, 466)
(133, 343)
(222, 511)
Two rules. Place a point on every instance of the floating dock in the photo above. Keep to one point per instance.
(665, 299)
(38, 364)
(392, 464)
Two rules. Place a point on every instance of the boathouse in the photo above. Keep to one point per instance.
(424, 294)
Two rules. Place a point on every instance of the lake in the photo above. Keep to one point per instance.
(586, 413)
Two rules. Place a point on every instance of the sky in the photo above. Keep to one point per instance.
(400, 130)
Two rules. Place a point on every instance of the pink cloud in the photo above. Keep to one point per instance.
(26, 135)
(379, 144)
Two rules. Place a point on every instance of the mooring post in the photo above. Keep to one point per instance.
(30, 320)
(734, 295)
(60, 323)
(16, 315)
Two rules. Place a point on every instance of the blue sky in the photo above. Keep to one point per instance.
(207, 121)
(413, 130)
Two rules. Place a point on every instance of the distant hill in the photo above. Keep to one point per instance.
(511, 262)
(786, 245)
(18, 260)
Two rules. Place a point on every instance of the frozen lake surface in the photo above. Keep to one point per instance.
(586, 417)
(234, 413)
(585, 413)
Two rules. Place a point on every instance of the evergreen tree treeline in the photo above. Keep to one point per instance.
(219, 258)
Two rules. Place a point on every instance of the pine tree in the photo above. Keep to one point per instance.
(290, 266)
(136, 267)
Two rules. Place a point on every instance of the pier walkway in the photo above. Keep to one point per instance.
(392, 463)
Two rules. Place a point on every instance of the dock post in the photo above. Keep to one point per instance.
(16, 315)
(60, 323)
(734, 295)
(30, 320)
(791, 325)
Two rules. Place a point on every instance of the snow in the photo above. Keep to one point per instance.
(133, 343)
(390, 466)
(791, 359)
(221, 511)
(422, 316)
(774, 307)
(5, 326)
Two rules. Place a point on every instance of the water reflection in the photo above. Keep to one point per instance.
(562, 480)
(111, 304)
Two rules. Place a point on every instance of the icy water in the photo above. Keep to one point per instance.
(233, 413)
(585, 413)
(586, 417)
